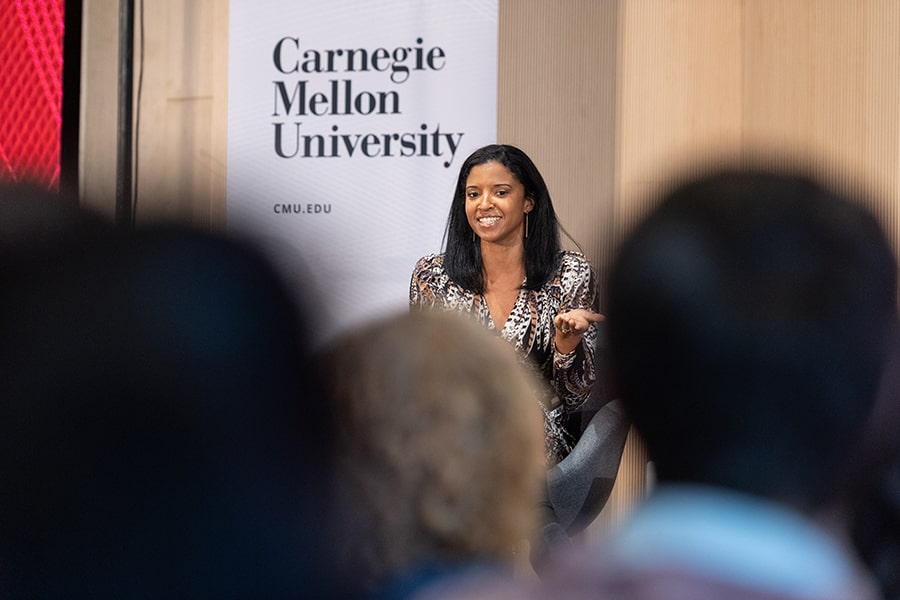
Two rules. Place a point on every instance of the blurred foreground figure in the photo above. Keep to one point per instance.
(877, 530)
(441, 456)
(162, 434)
(751, 319)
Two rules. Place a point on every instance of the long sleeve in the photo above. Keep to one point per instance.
(424, 283)
(573, 374)
(529, 329)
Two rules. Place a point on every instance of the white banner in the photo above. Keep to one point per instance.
(347, 124)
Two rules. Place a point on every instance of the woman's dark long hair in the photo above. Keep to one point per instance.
(462, 253)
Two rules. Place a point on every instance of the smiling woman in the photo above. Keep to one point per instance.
(503, 266)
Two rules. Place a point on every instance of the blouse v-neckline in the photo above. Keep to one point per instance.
(512, 310)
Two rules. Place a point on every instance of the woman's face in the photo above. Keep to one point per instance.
(496, 204)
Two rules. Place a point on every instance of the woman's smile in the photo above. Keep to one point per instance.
(496, 203)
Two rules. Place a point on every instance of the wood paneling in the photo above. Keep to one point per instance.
(556, 96)
(822, 87)
(180, 115)
(181, 149)
(679, 94)
(558, 70)
(97, 131)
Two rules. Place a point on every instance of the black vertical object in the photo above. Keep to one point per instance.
(71, 99)
(124, 149)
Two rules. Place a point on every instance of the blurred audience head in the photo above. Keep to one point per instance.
(751, 315)
(441, 445)
(35, 221)
(162, 431)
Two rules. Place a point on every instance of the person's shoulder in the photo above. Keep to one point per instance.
(429, 268)
(574, 261)
(429, 262)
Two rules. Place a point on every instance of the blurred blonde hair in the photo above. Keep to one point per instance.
(442, 444)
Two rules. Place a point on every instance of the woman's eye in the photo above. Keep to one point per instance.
(502, 193)
(472, 194)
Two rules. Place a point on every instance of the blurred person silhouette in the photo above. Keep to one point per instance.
(35, 221)
(503, 265)
(876, 525)
(441, 456)
(162, 430)
(751, 318)
(876, 531)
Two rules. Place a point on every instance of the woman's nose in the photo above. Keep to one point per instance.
(484, 199)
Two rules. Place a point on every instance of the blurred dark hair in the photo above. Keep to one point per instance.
(748, 320)
(161, 429)
(36, 221)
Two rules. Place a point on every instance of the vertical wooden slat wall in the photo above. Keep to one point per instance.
(679, 94)
(557, 100)
(822, 86)
(557, 97)
(614, 99)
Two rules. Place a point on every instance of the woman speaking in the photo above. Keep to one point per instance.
(503, 264)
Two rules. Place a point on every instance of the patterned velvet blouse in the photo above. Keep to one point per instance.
(530, 329)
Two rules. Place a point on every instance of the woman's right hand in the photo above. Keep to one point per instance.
(571, 325)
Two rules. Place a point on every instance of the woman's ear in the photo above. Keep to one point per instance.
(529, 204)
